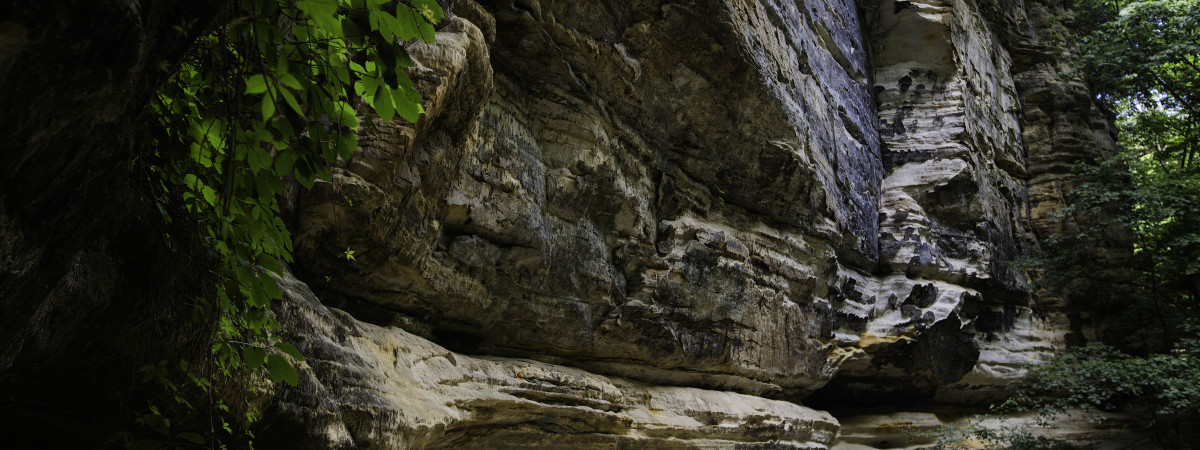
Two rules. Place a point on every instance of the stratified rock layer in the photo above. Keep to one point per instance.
(663, 191)
(770, 197)
(364, 386)
(896, 429)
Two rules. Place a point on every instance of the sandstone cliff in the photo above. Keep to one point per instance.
(670, 223)
(630, 224)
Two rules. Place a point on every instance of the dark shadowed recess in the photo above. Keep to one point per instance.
(86, 276)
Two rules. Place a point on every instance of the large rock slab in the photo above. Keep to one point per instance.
(366, 386)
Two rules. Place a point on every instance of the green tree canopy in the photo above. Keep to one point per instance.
(1133, 254)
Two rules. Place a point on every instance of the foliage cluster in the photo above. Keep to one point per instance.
(1142, 54)
(270, 94)
(1142, 59)
(1161, 386)
(1160, 389)
(1134, 252)
(975, 434)
(1131, 249)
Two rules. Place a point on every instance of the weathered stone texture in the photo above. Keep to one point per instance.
(898, 429)
(953, 207)
(646, 189)
(365, 386)
(673, 210)
(770, 197)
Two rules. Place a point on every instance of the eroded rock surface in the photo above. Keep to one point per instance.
(954, 209)
(664, 191)
(777, 198)
(897, 429)
(365, 386)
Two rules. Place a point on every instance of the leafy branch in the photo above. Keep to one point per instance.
(264, 97)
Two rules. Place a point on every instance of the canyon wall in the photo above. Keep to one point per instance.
(672, 224)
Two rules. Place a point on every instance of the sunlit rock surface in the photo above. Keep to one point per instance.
(815, 201)
(365, 386)
(657, 191)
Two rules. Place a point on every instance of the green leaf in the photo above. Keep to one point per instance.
(384, 23)
(345, 114)
(210, 195)
(194, 438)
(404, 83)
(321, 171)
(258, 159)
(410, 110)
(285, 161)
(256, 84)
(383, 103)
(285, 130)
(268, 262)
(260, 134)
(281, 370)
(190, 180)
(403, 59)
(304, 176)
(271, 288)
(290, 350)
(323, 13)
(346, 144)
(289, 80)
(335, 72)
(427, 31)
(429, 8)
(268, 108)
(291, 101)
(406, 22)
(367, 87)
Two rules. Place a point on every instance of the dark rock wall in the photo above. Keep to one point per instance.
(86, 277)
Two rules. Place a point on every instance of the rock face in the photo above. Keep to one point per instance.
(778, 198)
(906, 430)
(368, 386)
